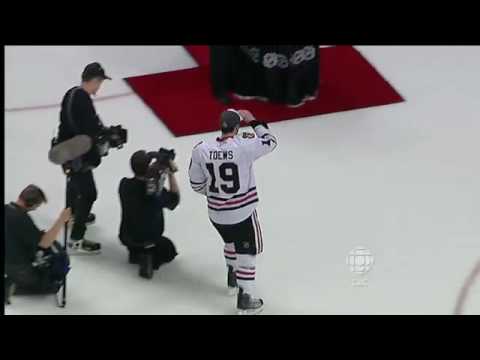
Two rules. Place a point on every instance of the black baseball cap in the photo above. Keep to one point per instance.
(94, 70)
(230, 119)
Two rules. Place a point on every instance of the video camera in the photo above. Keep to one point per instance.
(157, 170)
(111, 137)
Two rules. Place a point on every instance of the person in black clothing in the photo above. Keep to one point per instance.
(142, 224)
(221, 71)
(78, 116)
(290, 73)
(32, 256)
(281, 74)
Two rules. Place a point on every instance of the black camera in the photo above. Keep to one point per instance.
(111, 137)
(162, 157)
(156, 172)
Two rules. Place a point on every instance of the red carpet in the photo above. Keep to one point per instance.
(183, 101)
(200, 53)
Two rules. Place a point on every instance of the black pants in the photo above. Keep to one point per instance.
(163, 252)
(81, 194)
(221, 67)
(46, 276)
(31, 280)
(246, 235)
(290, 84)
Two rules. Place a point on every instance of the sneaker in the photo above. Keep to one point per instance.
(243, 97)
(247, 305)
(83, 247)
(292, 106)
(311, 97)
(232, 281)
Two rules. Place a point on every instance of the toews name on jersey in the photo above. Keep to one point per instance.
(221, 155)
(222, 170)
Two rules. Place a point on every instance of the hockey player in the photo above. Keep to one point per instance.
(222, 170)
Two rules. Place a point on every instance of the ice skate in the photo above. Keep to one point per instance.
(83, 247)
(247, 305)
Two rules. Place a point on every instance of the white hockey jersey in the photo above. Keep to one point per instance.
(223, 171)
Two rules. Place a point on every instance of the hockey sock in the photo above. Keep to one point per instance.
(246, 273)
(230, 255)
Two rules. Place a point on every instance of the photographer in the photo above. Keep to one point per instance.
(34, 261)
(78, 116)
(143, 198)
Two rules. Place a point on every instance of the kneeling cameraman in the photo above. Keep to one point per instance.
(35, 262)
(143, 198)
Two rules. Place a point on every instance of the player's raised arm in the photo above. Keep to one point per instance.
(265, 142)
(198, 180)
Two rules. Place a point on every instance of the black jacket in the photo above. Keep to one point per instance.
(21, 239)
(85, 120)
(142, 215)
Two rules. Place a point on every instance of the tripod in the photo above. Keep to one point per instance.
(62, 301)
(60, 154)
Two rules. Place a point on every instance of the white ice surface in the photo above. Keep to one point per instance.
(401, 180)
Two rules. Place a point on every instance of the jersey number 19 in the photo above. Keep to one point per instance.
(228, 172)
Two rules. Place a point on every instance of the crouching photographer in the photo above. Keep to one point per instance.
(143, 198)
(35, 263)
(78, 118)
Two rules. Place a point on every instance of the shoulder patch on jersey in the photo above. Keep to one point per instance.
(198, 144)
(248, 135)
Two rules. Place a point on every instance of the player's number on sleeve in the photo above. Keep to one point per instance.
(228, 173)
